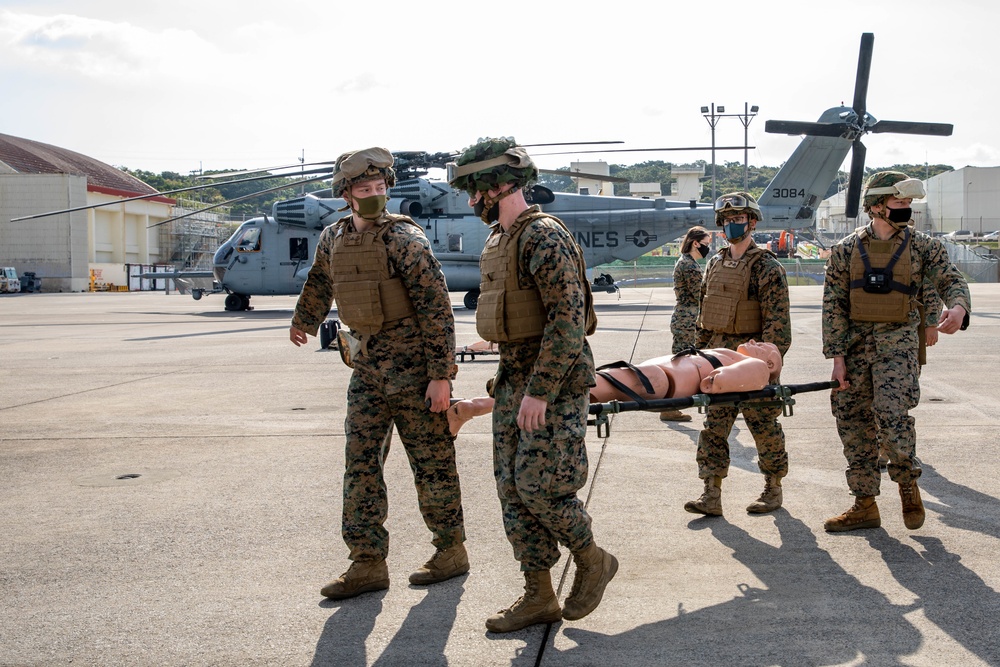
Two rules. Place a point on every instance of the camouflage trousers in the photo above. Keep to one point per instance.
(430, 448)
(684, 329)
(713, 441)
(539, 473)
(874, 411)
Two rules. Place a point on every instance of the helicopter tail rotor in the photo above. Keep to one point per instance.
(855, 124)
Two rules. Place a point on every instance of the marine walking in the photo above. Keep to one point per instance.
(535, 302)
(391, 294)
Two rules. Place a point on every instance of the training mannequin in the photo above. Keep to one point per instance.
(750, 367)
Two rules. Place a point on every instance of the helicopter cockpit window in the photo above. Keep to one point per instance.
(249, 241)
(298, 249)
(454, 243)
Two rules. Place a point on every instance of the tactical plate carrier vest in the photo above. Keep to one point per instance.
(506, 312)
(881, 277)
(727, 307)
(367, 296)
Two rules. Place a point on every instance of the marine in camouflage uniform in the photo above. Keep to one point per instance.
(878, 362)
(768, 288)
(687, 301)
(687, 293)
(542, 383)
(389, 385)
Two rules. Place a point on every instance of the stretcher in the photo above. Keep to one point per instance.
(601, 412)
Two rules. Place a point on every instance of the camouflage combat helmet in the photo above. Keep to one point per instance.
(489, 164)
(884, 184)
(736, 202)
(364, 165)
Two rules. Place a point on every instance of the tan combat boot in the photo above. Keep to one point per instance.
(444, 564)
(595, 567)
(537, 605)
(361, 577)
(710, 502)
(770, 499)
(863, 514)
(674, 416)
(913, 507)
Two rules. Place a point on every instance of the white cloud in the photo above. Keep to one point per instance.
(106, 52)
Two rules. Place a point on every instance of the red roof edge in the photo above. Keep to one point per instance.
(126, 194)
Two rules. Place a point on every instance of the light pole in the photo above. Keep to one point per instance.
(713, 118)
(748, 115)
(712, 114)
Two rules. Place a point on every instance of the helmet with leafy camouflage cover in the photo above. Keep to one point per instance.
(735, 203)
(489, 164)
(364, 165)
(885, 184)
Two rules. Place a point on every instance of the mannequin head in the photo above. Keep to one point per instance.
(766, 352)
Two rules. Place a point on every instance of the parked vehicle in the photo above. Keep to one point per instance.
(9, 282)
(960, 235)
(992, 236)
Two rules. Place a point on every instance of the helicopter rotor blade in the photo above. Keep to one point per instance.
(907, 127)
(864, 71)
(580, 174)
(651, 150)
(285, 186)
(803, 127)
(157, 194)
(227, 174)
(858, 152)
(572, 143)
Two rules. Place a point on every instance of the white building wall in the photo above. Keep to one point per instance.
(62, 249)
(592, 185)
(54, 247)
(967, 198)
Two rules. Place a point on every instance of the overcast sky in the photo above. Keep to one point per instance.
(216, 84)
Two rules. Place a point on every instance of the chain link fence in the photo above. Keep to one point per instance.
(980, 264)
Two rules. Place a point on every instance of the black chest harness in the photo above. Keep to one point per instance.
(625, 389)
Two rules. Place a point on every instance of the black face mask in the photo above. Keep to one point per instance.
(492, 216)
(702, 250)
(900, 216)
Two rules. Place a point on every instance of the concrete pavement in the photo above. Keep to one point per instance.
(171, 478)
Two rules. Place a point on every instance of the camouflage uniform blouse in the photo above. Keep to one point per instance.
(930, 268)
(687, 293)
(770, 287)
(411, 259)
(562, 358)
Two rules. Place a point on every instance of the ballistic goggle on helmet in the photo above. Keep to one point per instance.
(491, 163)
(887, 184)
(363, 165)
(736, 202)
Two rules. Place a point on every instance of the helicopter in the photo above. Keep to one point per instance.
(272, 254)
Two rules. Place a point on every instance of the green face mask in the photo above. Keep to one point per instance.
(371, 208)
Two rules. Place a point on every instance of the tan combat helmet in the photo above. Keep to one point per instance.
(364, 165)
(885, 184)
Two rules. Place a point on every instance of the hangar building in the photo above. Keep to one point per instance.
(63, 250)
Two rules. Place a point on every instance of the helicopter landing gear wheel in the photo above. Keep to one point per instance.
(237, 302)
(471, 300)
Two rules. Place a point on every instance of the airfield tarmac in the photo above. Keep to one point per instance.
(171, 480)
